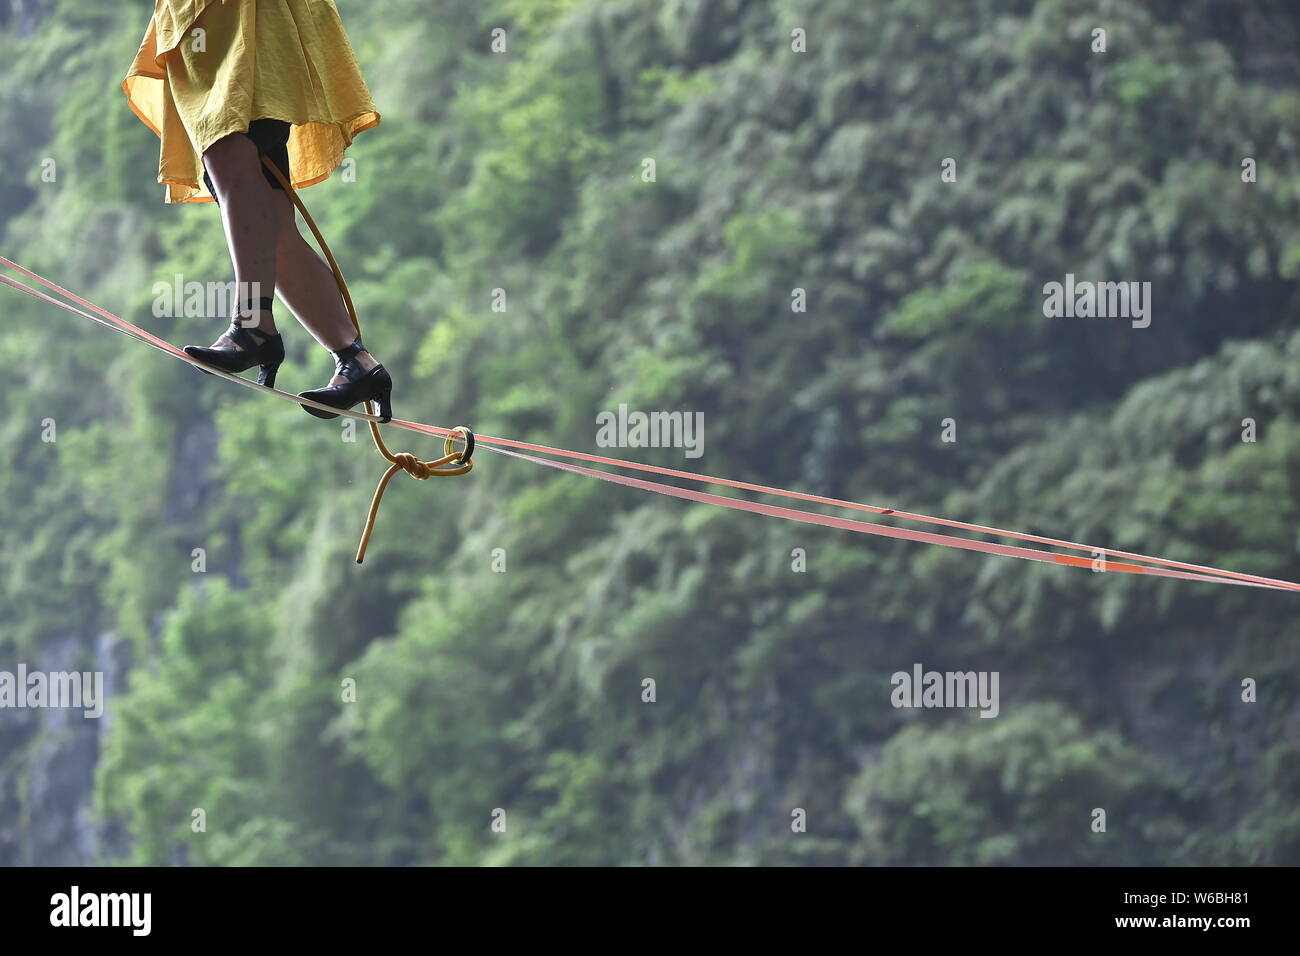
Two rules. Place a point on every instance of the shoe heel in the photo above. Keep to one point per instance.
(384, 396)
(267, 375)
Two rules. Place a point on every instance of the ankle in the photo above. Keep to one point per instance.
(256, 320)
(254, 314)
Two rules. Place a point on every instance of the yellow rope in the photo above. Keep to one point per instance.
(452, 462)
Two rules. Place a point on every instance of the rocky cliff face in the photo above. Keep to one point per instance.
(48, 755)
(47, 762)
(25, 14)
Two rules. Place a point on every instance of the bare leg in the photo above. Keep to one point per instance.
(306, 285)
(235, 169)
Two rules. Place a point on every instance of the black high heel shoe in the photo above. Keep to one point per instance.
(267, 353)
(361, 386)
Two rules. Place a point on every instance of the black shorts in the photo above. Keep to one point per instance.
(271, 137)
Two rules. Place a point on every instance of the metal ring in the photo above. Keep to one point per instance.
(449, 446)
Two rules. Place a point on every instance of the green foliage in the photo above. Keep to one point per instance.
(1021, 790)
(521, 689)
(197, 716)
(986, 298)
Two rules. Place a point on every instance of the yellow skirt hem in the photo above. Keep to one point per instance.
(343, 127)
(289, 61)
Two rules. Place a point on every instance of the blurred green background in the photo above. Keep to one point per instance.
(521, 690)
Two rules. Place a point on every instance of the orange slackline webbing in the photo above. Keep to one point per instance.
(489, 441)
(454, 463)
(866, 527)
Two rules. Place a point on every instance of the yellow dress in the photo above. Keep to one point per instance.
(207, 68)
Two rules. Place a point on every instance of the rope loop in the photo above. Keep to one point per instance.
(450, 465)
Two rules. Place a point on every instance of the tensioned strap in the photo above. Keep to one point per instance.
(866, 527)
(1102, 557)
